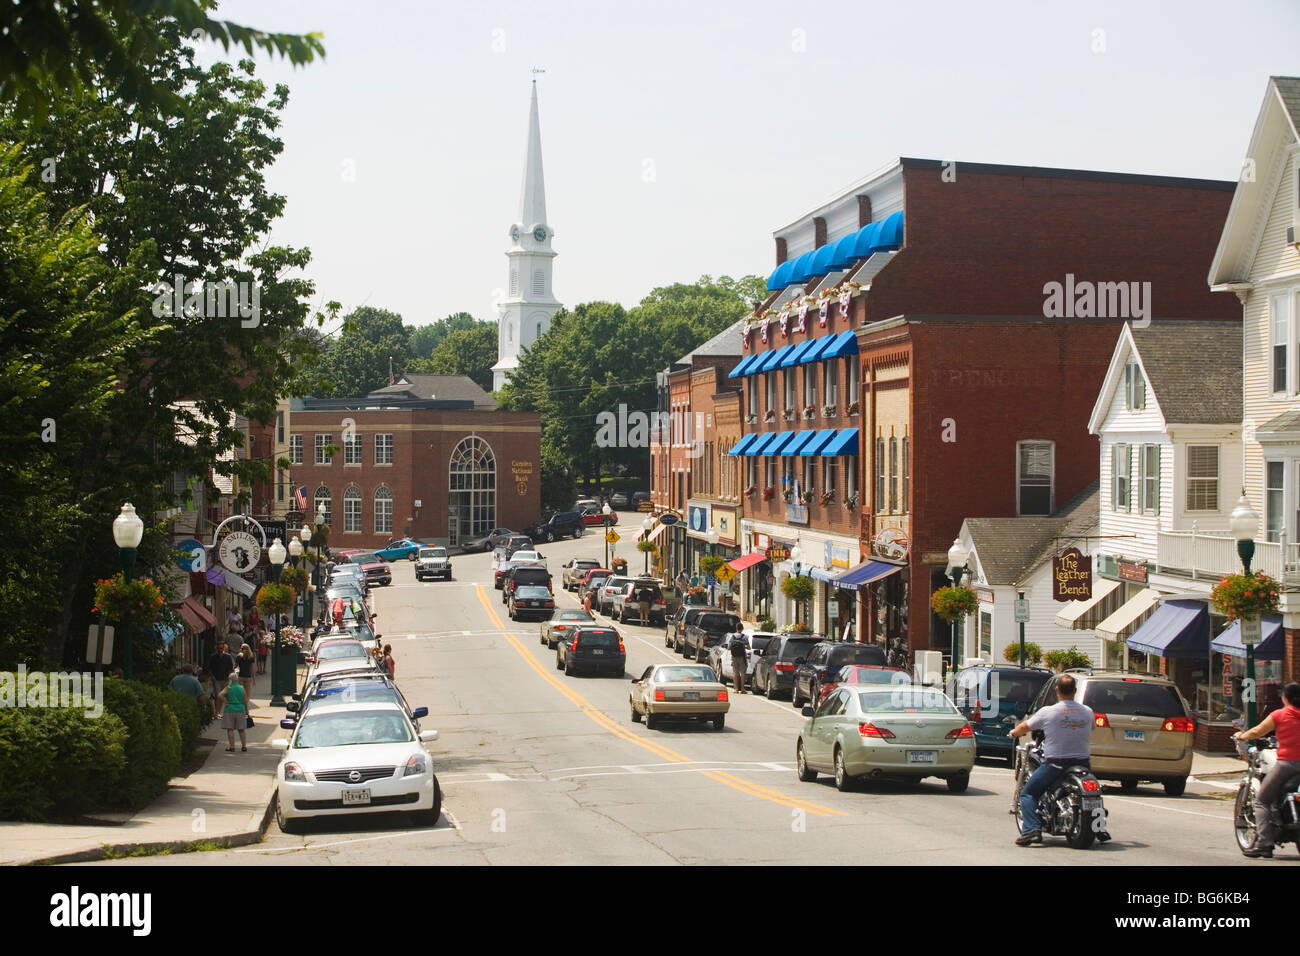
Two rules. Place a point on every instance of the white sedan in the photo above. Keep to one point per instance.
(353, 758)
(720, 657)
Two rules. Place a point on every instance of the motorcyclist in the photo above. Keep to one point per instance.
(1285, 723)
(1067, 740)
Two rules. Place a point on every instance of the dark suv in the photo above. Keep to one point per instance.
(524, 574)
(994, 698)
(824, 662)
(774, 672)
(705, 631)
(563, 524)
(675, 626)
(600, 648)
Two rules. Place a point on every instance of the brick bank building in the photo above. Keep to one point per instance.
(431, 457)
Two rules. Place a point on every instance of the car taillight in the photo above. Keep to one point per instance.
(782, 667)
(660, 603)
(574, 645)
(659, 694)
(722, 695)
(1099, 720)
(960, 732)
(871, 730)
(1184, 725)
(977, 711)
(549, 587)
(1089, 786)
(621, 648)
(560, 627)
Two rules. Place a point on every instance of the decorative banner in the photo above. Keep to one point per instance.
(744, 338)
(785, 324)
(1072, 576)
(239, 552)
(846, 301)
(803, 313)
(824, 312)
(764, 332)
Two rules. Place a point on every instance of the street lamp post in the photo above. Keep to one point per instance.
(712, 538)
(1244, 523)
(128, 529)
(320, 521)
(957, 558)
(796, 559)
(606, 510)
(276, 555)
(646, 527)
(295, 552)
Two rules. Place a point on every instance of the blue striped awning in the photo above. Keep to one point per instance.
(815, 444)
(763, 439)
(846, 343)
(813, 353)
(1175, 629)
(855, 579)
(745, 363)
(800, 439)
(1269, 648)
(796, 352)
(784, 439)
(768, 360)
(845, 442)
(739, 447)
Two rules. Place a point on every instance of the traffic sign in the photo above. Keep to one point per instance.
(1022, 610)
(725, 573)
(611, 535)
(1251, 630)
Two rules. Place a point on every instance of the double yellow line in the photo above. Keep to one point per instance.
(658, 749)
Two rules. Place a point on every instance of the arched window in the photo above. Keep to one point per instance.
(352, 509)
(472, 487)
(383, 510)
(323, 501)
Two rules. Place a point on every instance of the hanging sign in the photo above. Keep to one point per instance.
(1072, 576)
(239, 552)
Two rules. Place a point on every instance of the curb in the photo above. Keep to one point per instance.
(260, 821)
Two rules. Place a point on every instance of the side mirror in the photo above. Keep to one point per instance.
(428, 735)
(807, 710)
(292, 706)
(420, 712)
(280, 743)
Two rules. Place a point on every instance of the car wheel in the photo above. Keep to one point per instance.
(286, 825)
(771, 689)
(814, 694)
(1175, 787)
(636, 714)
(651, 722)
(543, 637)
(806, 773)
(699, 657)
(794, 695)
(559, 664)
(719, 721)
(549, 536)
(958, 782)
(1128, 785)
(568, 668)
(668, 640)
(429, 818)
(411, 557)
(843, 782)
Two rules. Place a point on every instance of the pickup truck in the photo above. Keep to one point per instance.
(575, 570)
(705, 631)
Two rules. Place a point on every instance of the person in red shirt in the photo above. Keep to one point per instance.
(1285, 723)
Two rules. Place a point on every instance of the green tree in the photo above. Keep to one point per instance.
(357, 361)
(470, 352)
(426, 338)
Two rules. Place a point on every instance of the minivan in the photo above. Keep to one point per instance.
(994, 698)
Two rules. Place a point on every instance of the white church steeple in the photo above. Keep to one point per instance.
(525, 313)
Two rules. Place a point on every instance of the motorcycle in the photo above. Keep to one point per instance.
(1070, 808)
(1262, 755)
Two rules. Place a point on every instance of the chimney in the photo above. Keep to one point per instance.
(864, 210)
(819, 232)
(780, 250)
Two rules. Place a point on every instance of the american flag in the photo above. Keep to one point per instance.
(300, 497)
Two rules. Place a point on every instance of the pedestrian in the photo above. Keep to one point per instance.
(254, 617)
(683, 582)
(186, 683)
(1285, 723)
(222, 664)
(245, 662)
(390, 665)
(235, 623)
(739, 647)
(263, 651)
(643, 596)
(234, 714)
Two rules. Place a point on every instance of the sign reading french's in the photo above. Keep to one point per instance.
(1072, 576)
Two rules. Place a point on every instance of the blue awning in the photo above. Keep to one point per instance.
(845, 442)
(739, 447)
(763, 439)
(782, 441)
(1175, 629)
(890, 235)
(864, 244)
(814, 353)
(803, 267)
(771, 359)
(869, 572)
(780, 277)
(795, 352)
(745, 363)
(822, 259)
(846, 343)
(1271, 646)
(844, 256)
(800, 439)
(815, 444)
(819, 574)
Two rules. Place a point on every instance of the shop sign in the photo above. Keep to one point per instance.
(1252, 630)
(985, 595)
(890, 543)
(1136, 573)
(836, 557)
(239, 552)
(796, 514)
(1072, 576)
(698, 518)
(522, 471)
(762, 541)
(778, 553)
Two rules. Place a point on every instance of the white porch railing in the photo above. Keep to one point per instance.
(1206, 556)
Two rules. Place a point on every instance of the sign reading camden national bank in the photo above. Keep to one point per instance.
(1072, 576)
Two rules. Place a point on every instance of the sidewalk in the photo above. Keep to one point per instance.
(1212, 765)
(226, 801)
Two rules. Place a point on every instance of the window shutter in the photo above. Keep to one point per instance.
(1155, 491)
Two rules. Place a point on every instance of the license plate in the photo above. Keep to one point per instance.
(598, 650)
(920, 756)
(533, 603)
(352, 798)
(1092, 803)
(1135, 735)
(691, 695)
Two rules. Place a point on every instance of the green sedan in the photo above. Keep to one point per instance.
(904, 731)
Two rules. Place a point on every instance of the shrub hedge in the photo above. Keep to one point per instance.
(57, 762)
(187, 719)
(153, 746)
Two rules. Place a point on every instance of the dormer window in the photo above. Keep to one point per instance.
(1135, 387)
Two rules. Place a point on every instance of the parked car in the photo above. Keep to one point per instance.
(1142, 728)
(909, 731)
(361, 687)
(720, 657)
(687, 691)
(858, 674)
(705, 631)
(626, 605)
(522, 574)
(402, 548)
(486, 542)
(331, 658)
(529, 600)
(603, 598)
(535, 557)
(518, 542)
(774, 672)
(433, 563)
(562, 623)
(503, 569)
(638, 497)
(592, 516)
(994, 698)
(573, 571)
(373, 566)
(350, 758)
(347, 572)
(823, 661)
(562, 524)
(583, 504)
(593, 582)
(595, 648)
(619, 499)
(675, 626)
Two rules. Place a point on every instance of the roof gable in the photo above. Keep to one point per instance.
(443, 387)
(1009, 549)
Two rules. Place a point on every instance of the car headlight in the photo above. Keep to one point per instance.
(416, 765)
(292, 771)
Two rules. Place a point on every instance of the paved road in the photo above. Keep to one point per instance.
(539, 768)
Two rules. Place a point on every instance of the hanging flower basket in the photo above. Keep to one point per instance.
(1245, 595)
(787, 493)
(709, 565)
(295, 578)
(645, 547)
(769, 494)
(953, 602)
(851, 502)
(275, 598)
(827, 498)
(619, 565)
(291, 637)
(116, 597)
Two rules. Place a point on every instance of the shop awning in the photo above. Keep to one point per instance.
(845, 442)
(800, 439)
(766, 360)
(814, 353)
(844, 255)
(819, 574)
(1129, 616)
(739, 447)
(658, 530)
(1175, 629)
(782, 439)
(745, 363)
(814, 445)
(747, 561)
(869, 572)
(780, 277)
(803, 267)
(1081, 614)
(846, 343)
(760, 442)
(823, 259)
(794, 355)
(197, 618)
(1270, 648)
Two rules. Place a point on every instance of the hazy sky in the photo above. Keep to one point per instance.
(678, 135)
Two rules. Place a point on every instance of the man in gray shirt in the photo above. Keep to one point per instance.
(1067, 741)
